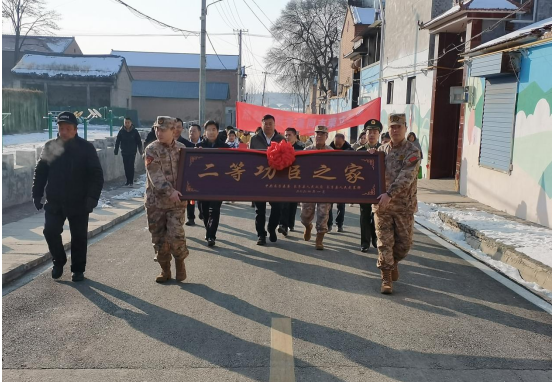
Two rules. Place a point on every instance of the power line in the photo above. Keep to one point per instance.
(212, 46)
(263, 12)
(155, 21)
(252, 11)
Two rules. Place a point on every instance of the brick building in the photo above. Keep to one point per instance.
(168, 84)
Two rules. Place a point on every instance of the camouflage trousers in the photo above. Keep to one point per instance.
(394, 232)
(322, 215)
(167, 233)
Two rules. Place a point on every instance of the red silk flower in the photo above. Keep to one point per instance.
(280, 155)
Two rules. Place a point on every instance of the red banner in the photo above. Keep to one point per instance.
(249, 117)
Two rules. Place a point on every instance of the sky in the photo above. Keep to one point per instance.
(99, 24)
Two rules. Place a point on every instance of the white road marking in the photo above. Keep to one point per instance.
(282, 368)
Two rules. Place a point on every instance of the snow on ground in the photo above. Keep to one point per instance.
(31, 141)
(536, 242)
(137, 192)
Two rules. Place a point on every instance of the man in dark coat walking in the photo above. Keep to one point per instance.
(129, 140)
(289, 210)
(339, 143)
(261, 141)
(70, 171)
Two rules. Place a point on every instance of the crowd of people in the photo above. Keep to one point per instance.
(386, 226)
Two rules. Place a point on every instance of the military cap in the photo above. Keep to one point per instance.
(397, 119)
(320, 129)
(67, 117)
(163, 122)
(373, 124)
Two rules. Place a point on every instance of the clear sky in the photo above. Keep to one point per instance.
(99, 24)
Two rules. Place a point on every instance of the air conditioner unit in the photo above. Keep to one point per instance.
(461, 94)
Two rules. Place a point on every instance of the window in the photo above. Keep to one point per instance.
(497, 132)
(411, 90)
(390, 87)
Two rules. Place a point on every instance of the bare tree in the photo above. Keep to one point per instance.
(309, 33)
(26, 17)
(298, 80)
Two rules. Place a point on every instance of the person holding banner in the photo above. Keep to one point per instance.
(165, 211)
(211, 208)
(394, 214)
(373, 129)
(289, 210)
(322, 209)
(261, 141)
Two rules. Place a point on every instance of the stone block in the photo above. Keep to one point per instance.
(8, 162)
(25, 158)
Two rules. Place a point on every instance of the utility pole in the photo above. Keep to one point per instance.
(203, 64)
(382, 42)
(240, 74)
(264, 87)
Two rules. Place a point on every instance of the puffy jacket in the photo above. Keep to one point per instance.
(129, 141)
(72, 175)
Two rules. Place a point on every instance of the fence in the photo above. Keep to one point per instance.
(27, 107)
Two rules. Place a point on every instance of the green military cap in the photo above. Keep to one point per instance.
(397, 119)
(164, 122)
(373, 124)
(320, 129)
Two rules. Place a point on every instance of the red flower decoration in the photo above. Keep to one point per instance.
(280, 155)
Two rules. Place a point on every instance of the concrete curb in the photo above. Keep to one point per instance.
(22, 269)
(530, 270)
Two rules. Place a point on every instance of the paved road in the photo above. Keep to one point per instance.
(446, 321)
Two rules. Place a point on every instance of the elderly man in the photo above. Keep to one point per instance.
(394, 214)
(322, 209)
(261, 141)
(70, 171)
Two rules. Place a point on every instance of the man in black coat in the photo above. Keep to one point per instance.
(339, 143)
(368, 235)
(261, 141)
(289, 210)
(70, 171)
(129, 140)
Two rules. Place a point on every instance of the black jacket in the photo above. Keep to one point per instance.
(346, 146)
(298, 147)
(72, 175)
(150, 138)
(129, 141)
(185, 142)
(218, 144)
(258, 141)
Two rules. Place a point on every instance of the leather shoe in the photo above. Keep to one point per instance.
(363, 249)
(77, 276)
(272, 235)
(190, 223)
(211, 242)
(57, 271)
(340, 228)
(283, 230)
(261, 240)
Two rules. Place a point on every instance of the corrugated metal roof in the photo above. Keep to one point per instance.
(39, 44)
(177, 60)
(475, 5)
(183, 90)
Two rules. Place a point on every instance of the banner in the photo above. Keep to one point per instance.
(249, 117)
(315, 176)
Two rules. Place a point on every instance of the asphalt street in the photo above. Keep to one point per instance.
(446, 321)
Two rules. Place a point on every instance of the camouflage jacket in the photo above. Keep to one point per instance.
(162, 170)
(401, 172)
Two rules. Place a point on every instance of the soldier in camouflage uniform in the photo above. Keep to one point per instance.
(394, 215)
(166, 212)
(322, 209)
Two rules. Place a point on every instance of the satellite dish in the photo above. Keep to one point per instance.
(97, 113)
(78, 114)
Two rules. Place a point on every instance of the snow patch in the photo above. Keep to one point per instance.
(81, 66)
(532, 241)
